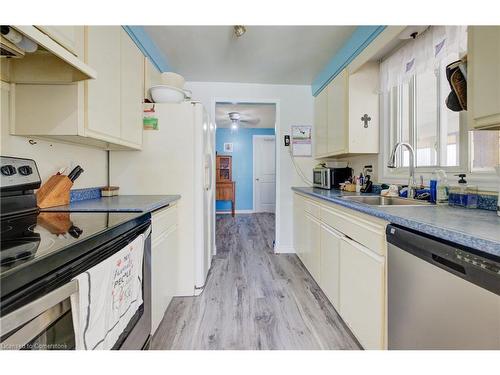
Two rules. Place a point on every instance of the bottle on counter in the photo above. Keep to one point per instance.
(463, 195)
(442, 187)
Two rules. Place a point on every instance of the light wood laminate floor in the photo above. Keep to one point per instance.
(253, 299)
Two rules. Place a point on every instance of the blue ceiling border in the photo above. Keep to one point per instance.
(360, 38)
(149, 48)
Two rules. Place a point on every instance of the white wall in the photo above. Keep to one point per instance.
(295, 104)
(50, 156)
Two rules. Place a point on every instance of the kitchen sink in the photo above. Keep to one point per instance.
(377, 200)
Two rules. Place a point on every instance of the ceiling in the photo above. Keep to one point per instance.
(264, 54)
(260, 115)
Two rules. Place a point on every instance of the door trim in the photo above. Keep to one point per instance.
(276, 102)
(254, 138)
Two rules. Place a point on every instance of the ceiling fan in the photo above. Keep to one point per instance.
(235, 119)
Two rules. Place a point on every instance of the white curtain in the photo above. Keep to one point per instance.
(422, 54)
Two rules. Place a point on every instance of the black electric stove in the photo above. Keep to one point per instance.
(35, 244)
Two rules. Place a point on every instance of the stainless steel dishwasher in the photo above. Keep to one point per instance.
(440, 295)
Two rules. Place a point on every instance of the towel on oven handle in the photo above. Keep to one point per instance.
(109, 295)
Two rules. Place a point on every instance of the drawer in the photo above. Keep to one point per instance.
(368, 232)
(312, 208)
(162, 220)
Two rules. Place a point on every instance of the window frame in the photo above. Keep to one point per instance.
(485, 179)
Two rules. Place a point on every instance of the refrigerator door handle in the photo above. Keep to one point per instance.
(208, 172)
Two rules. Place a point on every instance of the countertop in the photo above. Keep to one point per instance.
(474, 228)
(119, 203)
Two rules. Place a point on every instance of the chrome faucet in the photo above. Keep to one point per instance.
(392, 164)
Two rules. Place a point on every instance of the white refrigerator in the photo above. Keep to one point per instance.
(178, 158)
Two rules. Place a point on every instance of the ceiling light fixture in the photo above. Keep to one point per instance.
(239, 30)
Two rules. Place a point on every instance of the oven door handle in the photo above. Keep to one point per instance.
(33, 309)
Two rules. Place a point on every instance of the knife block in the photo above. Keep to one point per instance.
(54, 192)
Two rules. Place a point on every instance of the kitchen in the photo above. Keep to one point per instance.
(385, 221)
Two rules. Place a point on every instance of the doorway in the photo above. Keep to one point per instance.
(246, 169)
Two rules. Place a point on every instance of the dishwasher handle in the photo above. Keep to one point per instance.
(448, 263)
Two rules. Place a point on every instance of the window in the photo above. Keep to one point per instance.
(414, 83)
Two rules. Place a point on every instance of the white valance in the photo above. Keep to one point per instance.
(424, 53)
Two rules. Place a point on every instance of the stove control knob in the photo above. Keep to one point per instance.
(8, 170)
(25, 170)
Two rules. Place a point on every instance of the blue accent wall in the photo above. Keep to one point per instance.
(362, 37)
(242, 158)
(142, 39)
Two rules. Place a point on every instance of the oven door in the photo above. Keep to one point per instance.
(44, 324)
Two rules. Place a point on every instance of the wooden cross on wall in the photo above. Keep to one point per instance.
(366, 119)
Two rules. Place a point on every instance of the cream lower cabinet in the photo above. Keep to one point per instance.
(164, 263)
(312, 253)
(329, 282)
(362, 296)
(344, 251)
(105, 112)
(298, 225)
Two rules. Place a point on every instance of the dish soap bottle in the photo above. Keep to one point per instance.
(442, 188)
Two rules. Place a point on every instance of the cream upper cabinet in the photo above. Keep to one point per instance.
(337, 111)
(321, 123)
(103, 52)
(483, 77)
(362, 293)
(352, 113)
(330, 264)
(105, 112)
(132, 90)
(67, 36)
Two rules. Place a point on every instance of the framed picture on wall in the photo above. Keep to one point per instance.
(228, 147)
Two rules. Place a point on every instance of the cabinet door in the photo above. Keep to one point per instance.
(330, 264)
(363, 100)
(298, 227)
(484, 77)
(132, 89)
(362, 293)
(104, 92)
(337, 115)
(164, 276)
(66, 36)
(312, 252)
(321, 123)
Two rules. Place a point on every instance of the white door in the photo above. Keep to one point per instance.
(264, 151)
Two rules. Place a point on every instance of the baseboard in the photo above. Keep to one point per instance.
(284, 249)
(236, 212)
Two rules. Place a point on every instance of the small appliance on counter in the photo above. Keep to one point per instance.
(330, 178)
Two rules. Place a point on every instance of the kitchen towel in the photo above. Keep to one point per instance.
(109, 294)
